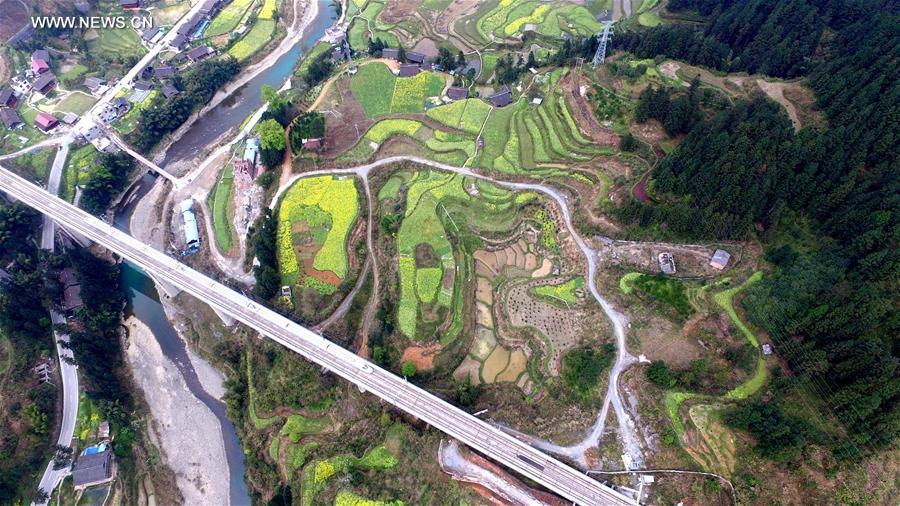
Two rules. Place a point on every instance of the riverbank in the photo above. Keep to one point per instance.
(196, 456)
(187, 143)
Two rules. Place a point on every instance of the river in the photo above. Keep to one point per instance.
(243, 102)
(143, 303)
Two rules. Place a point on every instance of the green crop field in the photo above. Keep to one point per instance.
(726, 300)
(317, 211)
(422, 226)
(116, 44)
(410, 92)
(76, 103)
(259, 35)
(373, 87)
(75, 72)
(467, 115)
(563, 292)
(228, 18)
(380, 92)
(508, 18)
(667, 290)
(319, 48)
(298, 426)
(385, 129)
(222, 204)
(348, 498)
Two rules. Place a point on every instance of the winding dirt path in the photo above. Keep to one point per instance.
(627, 430)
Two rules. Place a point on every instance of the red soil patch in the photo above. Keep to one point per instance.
(640, 192)
(422, 356)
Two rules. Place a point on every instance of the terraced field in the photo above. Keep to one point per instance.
(439, 205)
(508, 19)
(359, 33)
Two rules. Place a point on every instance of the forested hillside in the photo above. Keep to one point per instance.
(832, 301)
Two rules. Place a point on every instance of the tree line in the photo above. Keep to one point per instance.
(106, 179)
(831, 309)
(781, 38)
(198, 85)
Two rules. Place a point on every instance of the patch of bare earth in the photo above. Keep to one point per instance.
(345, 119)
(421, 356)
(456, 10)
(13, 17)
(575, 91)
(775, 91)
(399, 10)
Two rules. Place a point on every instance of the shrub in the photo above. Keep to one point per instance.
(660, 375)
(408, 369)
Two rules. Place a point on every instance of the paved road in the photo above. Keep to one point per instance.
(509, 451)
(88, 118)
(67, 370)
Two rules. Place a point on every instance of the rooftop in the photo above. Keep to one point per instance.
(43, 82)
(409, 70)
(457, 93)
(93, 468)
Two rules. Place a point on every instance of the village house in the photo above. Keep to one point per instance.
(200, 53)
(667, 263)
(210, 7)
(251, 151)
(188, 26)
(43, 371)
(72, 300)
(408, 70)
(45, 83)
(170, 91)
(45, 121)
(312, 144)
(149, 34)
(502, 98)
(96, 85)
(164, 72)
(414, 57)
(143, 85)
(40, 61)
(7, 98)
(114, 110)
(178, 42)
(130, 4)
(95, 466)
(11, 118)
(720, 259)
(390, 53)
(71, 290)
(457, 93)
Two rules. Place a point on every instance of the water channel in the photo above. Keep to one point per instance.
(246, 99)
